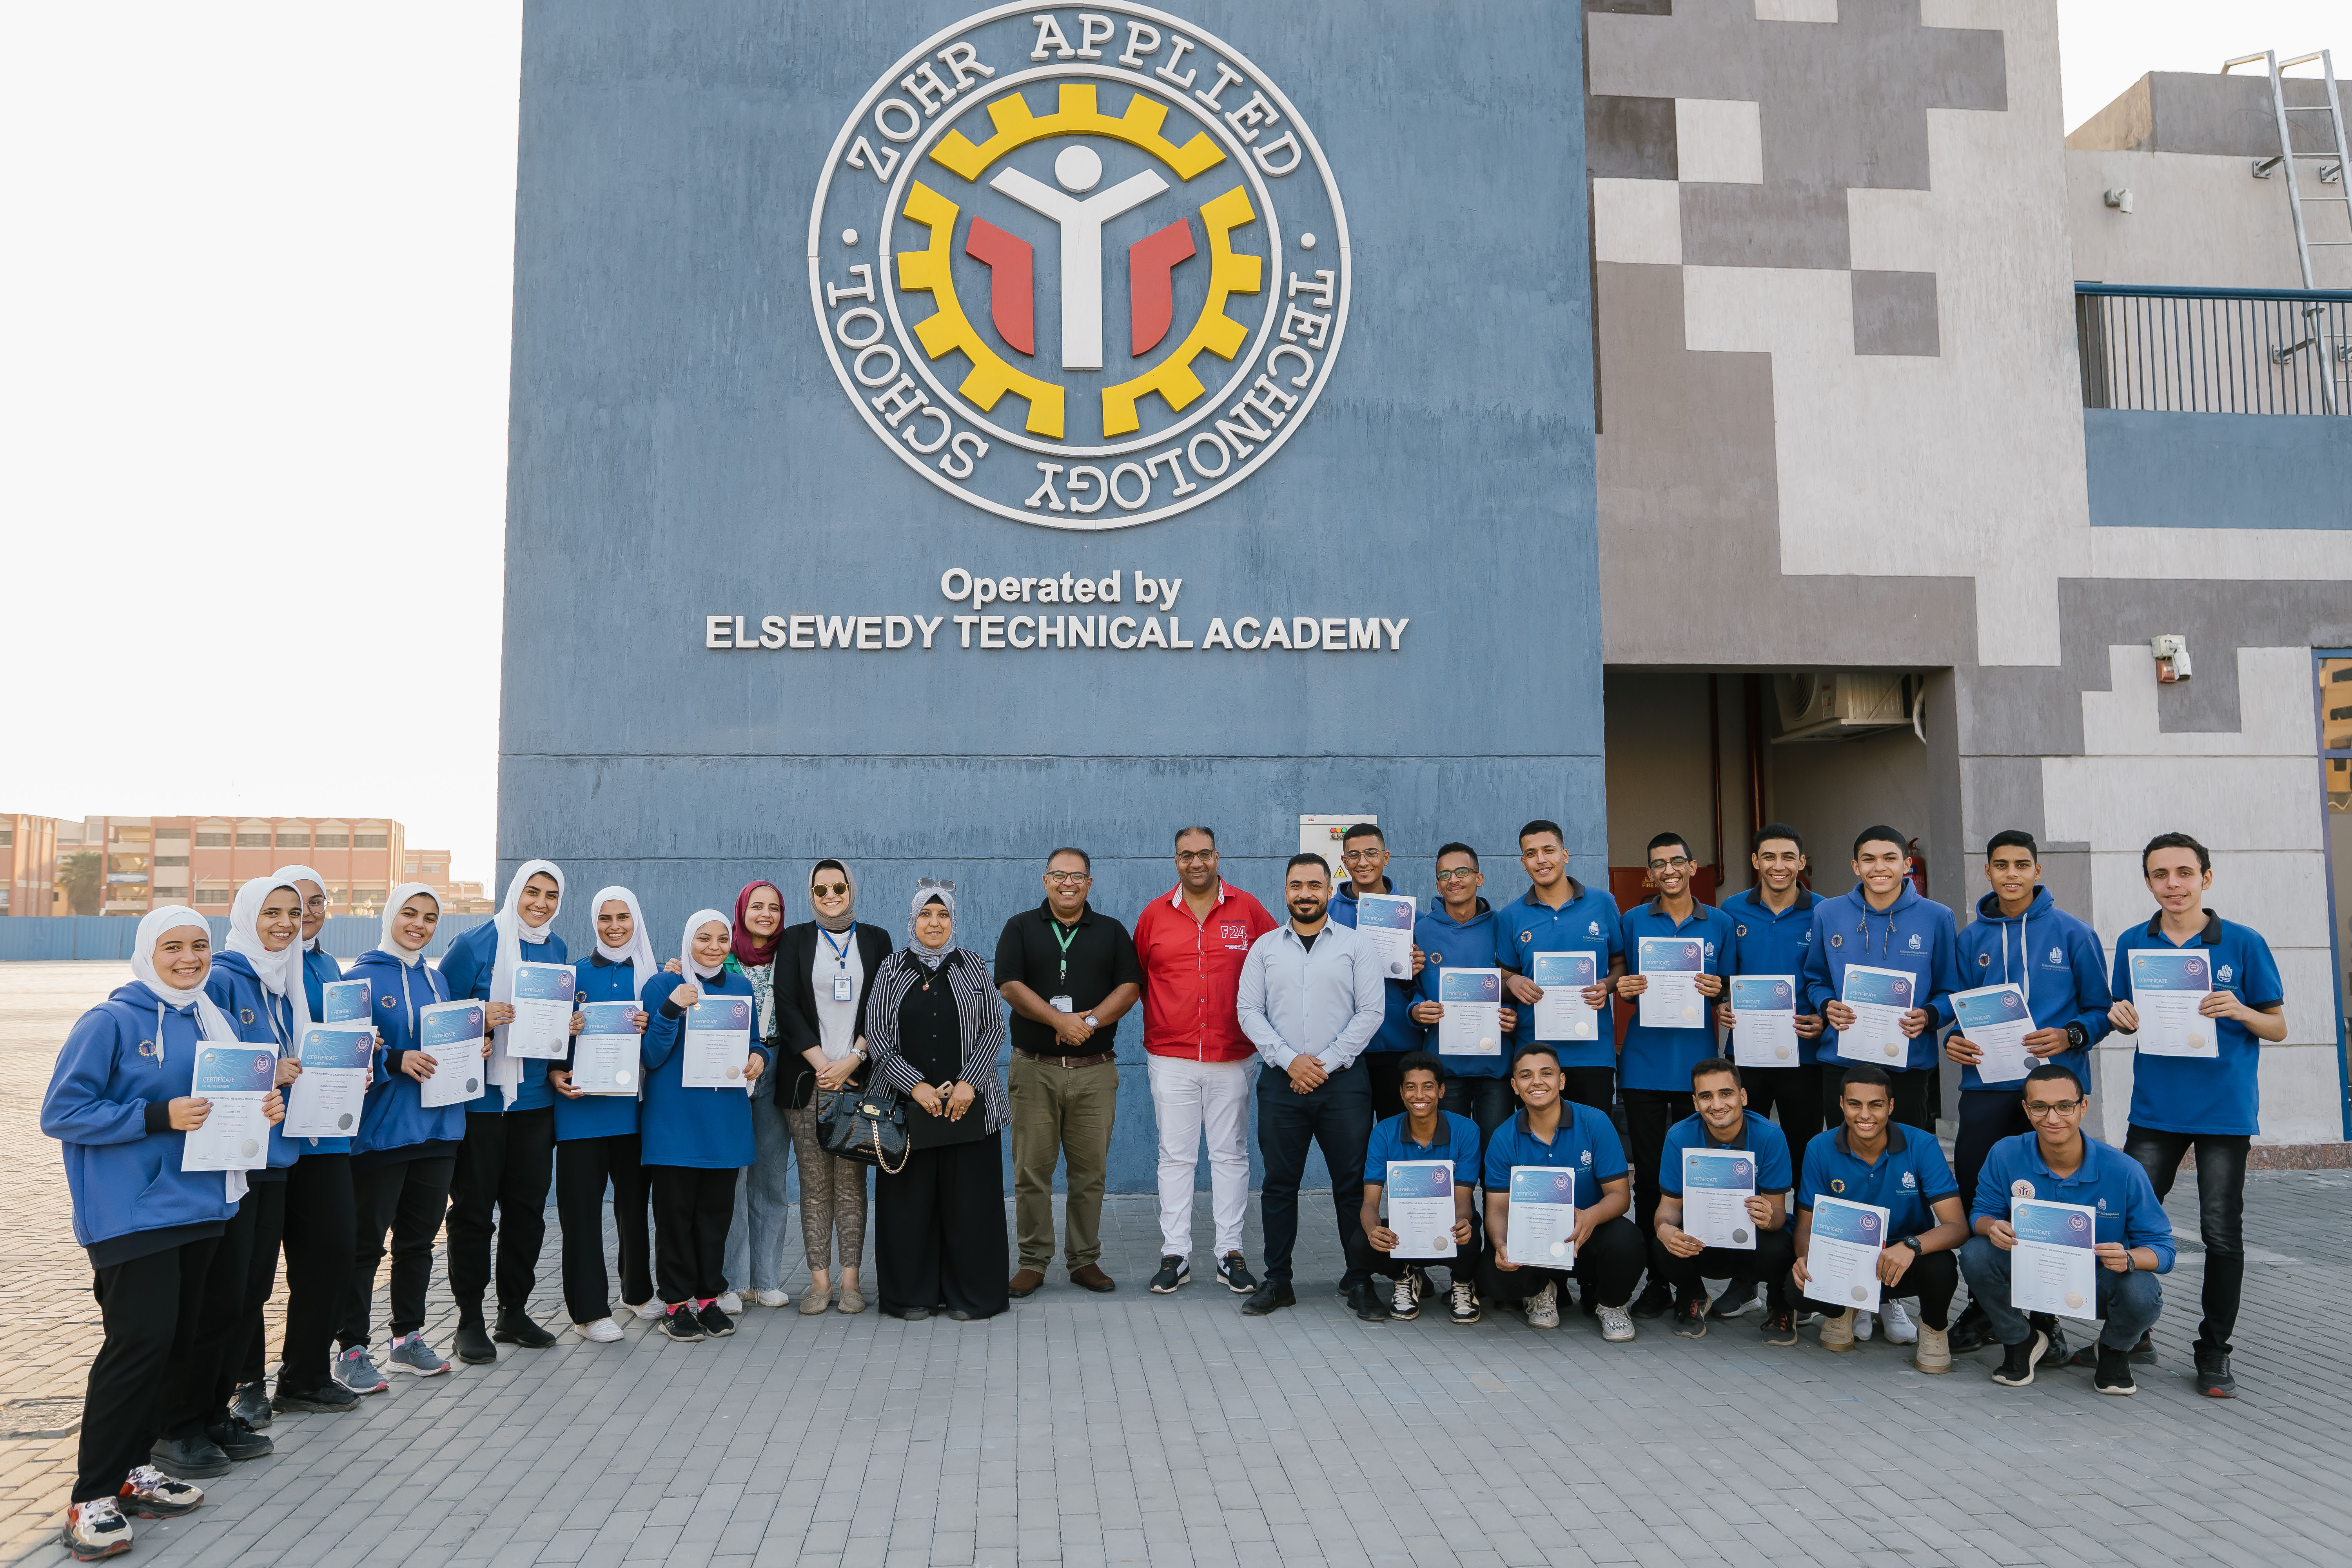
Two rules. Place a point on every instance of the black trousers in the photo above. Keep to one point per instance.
(506, 1164)
(150, 1306)
(1796, 1094)
(1608, 1267)
(1595, 1087)
(1987, 1116)
(692, 1208)
(582, 1166)
(1916, 1095)
(2220, 1214)
(939, 1230)
(1648, 1113)
(1337, 1119)
(1932, 1277)
(1387, 1083)
(321, 1238)
(407, 1198)
(242, 1363)
(1775, 1251)
(199, 1379)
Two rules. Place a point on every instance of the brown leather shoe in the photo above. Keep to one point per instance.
(1024, 1283)
(1090, 1277)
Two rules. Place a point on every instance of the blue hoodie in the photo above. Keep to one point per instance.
(1913, 934)
(108, 1105)
(1398, 1032)
(1468, 945)
(467, 968)
(709, 1128)
(236, 989)
(2055, 959)
(599, 1115)
(319, 969)
(396, 1117)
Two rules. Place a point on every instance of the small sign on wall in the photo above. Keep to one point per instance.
(1320, 836)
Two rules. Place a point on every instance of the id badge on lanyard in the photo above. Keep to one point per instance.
(844, 989)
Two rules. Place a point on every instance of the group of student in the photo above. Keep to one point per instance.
(1298, 1012)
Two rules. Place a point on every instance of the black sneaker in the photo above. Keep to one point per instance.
(1268, 1297)
(515, 1328)
(250, 1404)
(2213, 1377)
(1404, 1296)
(192, 1459)
(1465, 1306)
(678, 1323)
(1780, 1327)
(1737, 1299)
(1655, 1300)
(716, 1322)
(329, 1398)
(1364, 1301)
(2018, 1360)
(1971, 1331)
(2114, 1375)
(2140, 1355)
(1690, 1316)
(1173, 1272)
(2046, 1324)
(2144, 1352)
(1234, 1272)
(474, 1347)
(240, 1442)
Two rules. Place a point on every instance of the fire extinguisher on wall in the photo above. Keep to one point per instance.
(1918, 865)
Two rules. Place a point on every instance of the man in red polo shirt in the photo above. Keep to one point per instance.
(1192, 940)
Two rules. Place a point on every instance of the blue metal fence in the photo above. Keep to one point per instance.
(65, 937)
(2214, 351)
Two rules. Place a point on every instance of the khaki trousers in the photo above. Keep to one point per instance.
(1060, 1114)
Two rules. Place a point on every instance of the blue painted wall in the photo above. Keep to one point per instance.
(2218, 470)
(680, 446)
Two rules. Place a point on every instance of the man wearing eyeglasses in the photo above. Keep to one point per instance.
(1069, 973)
(1364, 851)
(2056, 1165)
(1461, 930)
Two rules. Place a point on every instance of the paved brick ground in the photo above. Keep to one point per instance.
(1133, 1429)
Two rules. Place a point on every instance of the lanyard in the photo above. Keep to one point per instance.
(1056, 926)
(840, 949)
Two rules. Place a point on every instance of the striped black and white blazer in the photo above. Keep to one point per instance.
(980, 1018)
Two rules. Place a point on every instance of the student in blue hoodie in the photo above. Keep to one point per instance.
(119, 1102)
(694, 1140)
(1459, 932)
(510, 1154)
(404, 1159)
(1365, 853)
(596, 1137)
(1884, 923)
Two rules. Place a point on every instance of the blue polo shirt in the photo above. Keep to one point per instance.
(1457, 1140)
(2223, 1096)
(1663, 1059)
(1586, 923)
(2055, 959)
(1584, 1142)
(1470, 945)
(1763, 943)
(1910, 1175)
(2107, 1180)
(1758, 1136)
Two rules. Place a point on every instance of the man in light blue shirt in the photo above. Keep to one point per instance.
(1311, 998)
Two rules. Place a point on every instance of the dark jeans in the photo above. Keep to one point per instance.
(150, 1306)
(506, 1164)
(1487, 1101)
(692, 1209)
(582, 1166)
(1795, 1093)
(322, 1238)
(2129, 1304)
(1987, 1116)
(407, 1198)
(1915, 1099)
(1933, 1278)
(1648, 1113)
(2220, 1214)
(1768, 1263)
(242, 1361)
(1608, 1266)
(193, 1397)
(1337, 1119)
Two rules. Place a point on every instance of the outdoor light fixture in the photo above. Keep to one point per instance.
(2119, 198)
(2171, 652)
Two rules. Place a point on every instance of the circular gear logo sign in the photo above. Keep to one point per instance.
(1082, 269)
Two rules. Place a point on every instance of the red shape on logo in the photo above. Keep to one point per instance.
(1151, 299)
(1011, 292)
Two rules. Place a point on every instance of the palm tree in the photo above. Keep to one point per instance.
(82, 880)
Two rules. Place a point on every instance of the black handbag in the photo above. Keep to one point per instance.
(869, 1125)
(925, 1131)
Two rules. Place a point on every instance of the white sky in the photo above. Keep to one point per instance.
(258, 286)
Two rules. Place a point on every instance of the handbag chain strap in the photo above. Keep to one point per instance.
(887, 1168)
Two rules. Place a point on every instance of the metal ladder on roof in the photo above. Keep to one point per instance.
(2319, 337)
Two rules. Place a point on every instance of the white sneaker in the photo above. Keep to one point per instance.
(1616, 1325)
(603, 1332)
(95, 1529)
(1900, 1329)
(731, 1304)
(1861, 1326)
(1543, 1306)
(771, 1298)
(650, 1310)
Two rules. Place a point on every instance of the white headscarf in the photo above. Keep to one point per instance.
(211, 1022)
(639, 953)
(287, 877)
(280, 972)
(386, 944)
(932, 957)
(506, 1071)
(685, 960)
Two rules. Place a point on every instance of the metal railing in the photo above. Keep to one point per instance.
(2214, 351)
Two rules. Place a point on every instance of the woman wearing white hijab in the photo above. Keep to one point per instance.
(119, 1104)
(596, 1137)
(510, 1154)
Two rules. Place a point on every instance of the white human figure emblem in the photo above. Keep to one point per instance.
(1081, 222)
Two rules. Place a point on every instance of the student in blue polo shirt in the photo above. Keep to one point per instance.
(2057, 1165)
(1871, 1157)
(1654, 1074)
(1424, 1131)
(1560, 914)
(1551, 1130)
(1365, 852)
(1771, 931)
(1460, 931)
(2022, 938)
(1884, 923)
(1724, 1120)
(2179, 1103)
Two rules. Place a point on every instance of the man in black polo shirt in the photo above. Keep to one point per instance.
(1068, 972)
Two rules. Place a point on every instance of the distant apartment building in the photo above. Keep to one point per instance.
(28, 854)
(128, 864)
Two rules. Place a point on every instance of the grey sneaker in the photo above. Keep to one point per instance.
(1543, 1306)
(355, 1370)
(411, 1354)
(1616, 1324)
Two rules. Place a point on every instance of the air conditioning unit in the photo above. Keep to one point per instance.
(1841, 706)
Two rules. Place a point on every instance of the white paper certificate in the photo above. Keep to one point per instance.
(1841, 1258)
(542, 1012)
(717, 1044)
(1420, 1194)
(1671, 1000)
(2053, 1267)
(1879, 999)
(1386, 921)
(1540, 1224)
(604, 1053)
(451, 1034)
(1764, 1033)
(1472, 1025)
(346, 1001)
(1717, 1186)
(236, 1135)
(1562, 1015)
(338, 1060)
(2167, 988)
(1995, 1020)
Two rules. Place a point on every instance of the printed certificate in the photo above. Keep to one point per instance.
(1473, 1023)
(2167, 989)
(1765, 1035)
(451, 1034)
(1562, 1016)
(1386, 921)
(346, 1001)
(338, 1060)
(1673, 964)
(1995, 1019)
(1420, 1194)
(717, 1044)
(2054, 1269)
(1879, 999)
(1841, 1258)
(543, 994)
(605, 1052)
(236, 1135)
(1717, 1186)
(1541, 1219)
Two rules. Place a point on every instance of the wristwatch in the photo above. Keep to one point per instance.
(2077, 1037)
(1090, 1022)
(1913, 1243)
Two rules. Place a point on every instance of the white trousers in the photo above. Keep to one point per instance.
(1191, 1097)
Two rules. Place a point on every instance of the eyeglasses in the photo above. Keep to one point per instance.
(1195, 857)
(1459, 874)
(1679, 863)
(1353, 856)
(828, 890)
(2053, 1107)
(936, 885)
(1065, 878)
